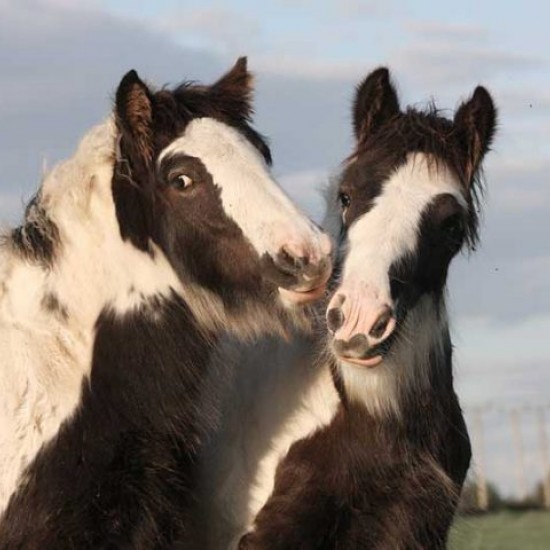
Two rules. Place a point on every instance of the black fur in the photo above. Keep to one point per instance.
(37, 240)
(119, 474)
(375, 482)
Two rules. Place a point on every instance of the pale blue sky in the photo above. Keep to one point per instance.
(60, 61)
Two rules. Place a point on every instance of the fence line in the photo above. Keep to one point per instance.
(517, 416)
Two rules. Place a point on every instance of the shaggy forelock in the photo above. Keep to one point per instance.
(426, 131)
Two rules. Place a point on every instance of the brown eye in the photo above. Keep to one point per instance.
(345, 200)
(181, 182)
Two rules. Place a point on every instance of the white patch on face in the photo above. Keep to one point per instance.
(44, 357)
(249, 194)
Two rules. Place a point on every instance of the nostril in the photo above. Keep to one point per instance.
(291, 263)
(335, 318)
(355, 347)
(381, 324)
(317, 270)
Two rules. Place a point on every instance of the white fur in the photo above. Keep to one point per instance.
(406, 369)
(281, 397)
(389, 230)
(250, 196)
(44, 358)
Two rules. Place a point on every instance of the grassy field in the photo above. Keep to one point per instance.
(502, 531)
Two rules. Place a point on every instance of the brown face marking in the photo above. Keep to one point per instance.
(198, 238)
(190, 226)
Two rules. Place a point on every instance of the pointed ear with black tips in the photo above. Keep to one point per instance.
(233, 91)
(475, 122)
(375, 103)
(134, 116)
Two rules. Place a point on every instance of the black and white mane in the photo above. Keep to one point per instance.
(162, 233)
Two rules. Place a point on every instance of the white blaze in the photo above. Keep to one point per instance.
(390, 229)
(249, 194)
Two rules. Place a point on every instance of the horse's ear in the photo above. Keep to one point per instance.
(375, 102)
(475, 122)
(234, 91)
(134, 115)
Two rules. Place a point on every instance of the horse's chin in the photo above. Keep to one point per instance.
(292, 298)
(368, 363)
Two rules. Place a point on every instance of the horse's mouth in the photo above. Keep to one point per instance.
(302, 297)
(372, 357)
(369, 363)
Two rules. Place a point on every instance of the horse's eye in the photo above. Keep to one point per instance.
(453, 228)
(181, 182)
(345, 199)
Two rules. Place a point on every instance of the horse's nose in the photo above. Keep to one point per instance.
(301, 274)
(358, 324)
(355, 347)
(291, 262)
(335, 318)
(380, 326)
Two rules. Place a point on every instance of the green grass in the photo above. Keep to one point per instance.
(502, 531)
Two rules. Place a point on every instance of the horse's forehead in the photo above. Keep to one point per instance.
(211, 141)
(421, 178)
(405, 196)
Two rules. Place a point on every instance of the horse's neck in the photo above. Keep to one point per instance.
(48, 312)
(420, 357)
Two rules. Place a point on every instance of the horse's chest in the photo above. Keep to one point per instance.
(294, 401)
(315, 410)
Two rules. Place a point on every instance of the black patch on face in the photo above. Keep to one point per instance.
(440, 236)
(122, 469)
(38, 238)
(361, 184)
(201, 242)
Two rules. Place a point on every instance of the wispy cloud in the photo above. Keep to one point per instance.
(218, 27)
(440, 65)
(438, 30)
(357, 8)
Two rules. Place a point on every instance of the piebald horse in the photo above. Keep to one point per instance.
(163, 232)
